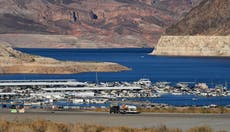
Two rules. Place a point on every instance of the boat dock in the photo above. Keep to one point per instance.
(71, 91)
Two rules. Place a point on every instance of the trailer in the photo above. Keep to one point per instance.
(124, 109)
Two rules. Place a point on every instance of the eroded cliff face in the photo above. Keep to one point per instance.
(193, 46)
(211, 17)
(100, 22)
(13, 61)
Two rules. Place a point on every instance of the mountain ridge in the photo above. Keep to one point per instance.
(211, 17)
(204, 31)
(96, 21)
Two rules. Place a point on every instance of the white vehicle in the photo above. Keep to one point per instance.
(128, 109)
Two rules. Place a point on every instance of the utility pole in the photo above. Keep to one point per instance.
(96, 79)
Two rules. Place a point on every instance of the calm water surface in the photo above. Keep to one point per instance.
(156, 68)
(212, 70)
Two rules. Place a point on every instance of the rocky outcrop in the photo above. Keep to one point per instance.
(13, 61)
(135, 23)
(211, 17)
(193, 46)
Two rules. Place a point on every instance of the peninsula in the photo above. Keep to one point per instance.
(13, 61)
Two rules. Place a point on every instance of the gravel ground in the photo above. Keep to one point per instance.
(183, 121)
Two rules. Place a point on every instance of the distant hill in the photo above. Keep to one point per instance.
(114, 22)
(211, 17)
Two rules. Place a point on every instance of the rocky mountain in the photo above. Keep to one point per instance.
(117, 23)
(205, 31)
(13, 61)
(211, 17)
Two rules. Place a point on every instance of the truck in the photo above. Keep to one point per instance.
(123, 109)
(17, 107)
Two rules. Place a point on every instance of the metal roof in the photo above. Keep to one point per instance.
(90, 88)
(40, 83)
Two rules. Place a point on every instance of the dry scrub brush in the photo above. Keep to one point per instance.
(48, 126)
(186, 110)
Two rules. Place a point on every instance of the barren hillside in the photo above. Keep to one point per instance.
(211, 17)
(13, 61)
(205, 31)
(117, 23)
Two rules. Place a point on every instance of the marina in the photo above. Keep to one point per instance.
(115, 66)
(71, 93)
(154, 81)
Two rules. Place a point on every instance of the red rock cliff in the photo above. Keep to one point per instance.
(137, 23)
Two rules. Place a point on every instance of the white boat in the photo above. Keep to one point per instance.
(144, 82)
(177, 93)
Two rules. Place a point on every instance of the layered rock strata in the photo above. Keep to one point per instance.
(193, 46)
(13, 61)
(135, 23)
(63, 41)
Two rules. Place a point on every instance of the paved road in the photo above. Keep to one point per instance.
(184, 121)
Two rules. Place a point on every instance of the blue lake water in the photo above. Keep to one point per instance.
(156, 68)
(188, 100)
(212, 70)
(182, 100)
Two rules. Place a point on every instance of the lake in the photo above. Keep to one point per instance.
(143, 65)
(212, 70)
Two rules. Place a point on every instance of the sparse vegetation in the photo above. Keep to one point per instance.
(203, 129)
(48, 126)
(217, 110)
(186, 110)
